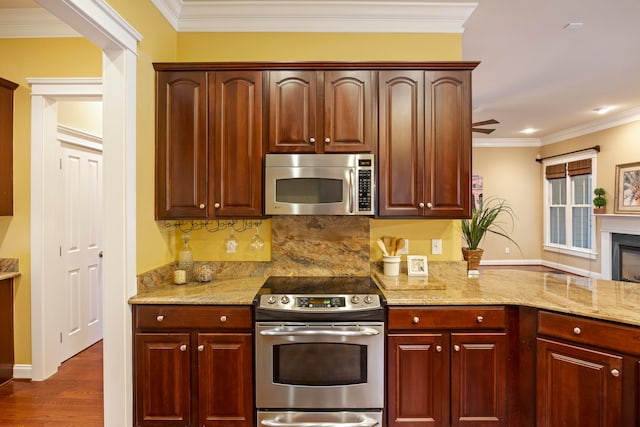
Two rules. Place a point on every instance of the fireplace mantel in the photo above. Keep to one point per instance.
(609, 224)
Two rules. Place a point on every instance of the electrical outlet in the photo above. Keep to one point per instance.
(436, 246)
(507, 251)
(405, 250)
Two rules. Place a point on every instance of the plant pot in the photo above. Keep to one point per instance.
(599, 211)
(473, 257)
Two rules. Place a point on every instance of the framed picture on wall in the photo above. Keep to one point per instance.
(417, 265)
(627, 197)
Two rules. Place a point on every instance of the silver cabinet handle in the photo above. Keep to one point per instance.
(421, 205)
(480, 319)
(439, 348)
(202, 206)
(429, 205)
(456, 347)
(327, 140)
(577, 330)
(312, 140)
(183, 347)
(615, 372)
(201, 347)
(416, 320)
(216, 205)
(160, 318)
(366, 422)
(223, 318)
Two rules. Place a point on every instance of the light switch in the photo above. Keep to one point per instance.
(436, 246)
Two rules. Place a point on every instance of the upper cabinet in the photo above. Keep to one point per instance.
(6, 146)
(209, 145)
(424, 143)
(321, 111)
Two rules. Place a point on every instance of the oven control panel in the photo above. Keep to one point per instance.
(316, 303)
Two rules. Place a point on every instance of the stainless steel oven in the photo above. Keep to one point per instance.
(319, 352)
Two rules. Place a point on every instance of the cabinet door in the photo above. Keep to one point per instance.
(6, 330)
(162, 395)
(235, 128)
(448, 147)
(577, 387)
(418, 381)
(348, 112)
(181, 145)
(292, 111)
(6, 147)
(225, 380)
(478, 380)
(401, 143)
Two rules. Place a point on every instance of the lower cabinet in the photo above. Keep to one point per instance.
(193, 366)
(587, 372)
(447, 367)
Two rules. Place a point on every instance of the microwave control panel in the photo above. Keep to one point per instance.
(365, 184)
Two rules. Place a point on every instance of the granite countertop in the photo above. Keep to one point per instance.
(9, 274)
(598, 299)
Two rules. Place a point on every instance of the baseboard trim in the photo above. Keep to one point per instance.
(22, 372)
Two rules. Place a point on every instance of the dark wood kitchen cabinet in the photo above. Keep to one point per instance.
(6, 146)
(314, 111)
(209, 144)
(193, 366)
(587, 372)
(6, 330)
(424, 143)
(447, 366)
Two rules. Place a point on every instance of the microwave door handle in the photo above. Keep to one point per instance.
(351, 192)
(366, 422)
(359, 332)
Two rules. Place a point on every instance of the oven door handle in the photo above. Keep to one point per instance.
(359, 332)
(366, 422)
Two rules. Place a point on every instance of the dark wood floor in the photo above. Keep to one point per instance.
(70, 398)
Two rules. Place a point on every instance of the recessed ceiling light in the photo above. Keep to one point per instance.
(573, 26)
(529, 130)
(602, 110)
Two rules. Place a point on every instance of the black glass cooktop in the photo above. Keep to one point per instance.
(313, 285)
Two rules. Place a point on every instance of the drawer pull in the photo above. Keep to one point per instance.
(615, 372)
(201, 347)
(183, 347)
(456, 347)
(480, 319)
(416, 320)
(439, 348)
(223, 319)
(202, 205)
(160, 318)
(577, 330)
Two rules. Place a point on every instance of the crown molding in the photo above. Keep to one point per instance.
(354, 16)
(32, 23)
(506, 142)
(622, 118)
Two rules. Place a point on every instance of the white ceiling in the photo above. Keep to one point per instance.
(533, 72)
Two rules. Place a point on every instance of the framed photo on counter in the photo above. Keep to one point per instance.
(417, 265)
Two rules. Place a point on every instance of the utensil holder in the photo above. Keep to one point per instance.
(391, 265)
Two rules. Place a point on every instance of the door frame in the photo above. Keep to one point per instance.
(103, 26)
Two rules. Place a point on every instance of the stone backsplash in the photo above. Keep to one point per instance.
(9, 265)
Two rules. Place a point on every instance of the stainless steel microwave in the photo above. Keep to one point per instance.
(320, 184)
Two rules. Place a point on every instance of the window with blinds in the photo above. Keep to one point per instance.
(568, 210)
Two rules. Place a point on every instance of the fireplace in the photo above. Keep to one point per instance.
(625, 257)
(620, 247)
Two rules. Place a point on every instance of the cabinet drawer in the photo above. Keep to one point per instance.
(189, 316)
(621, 338)
(447, 318)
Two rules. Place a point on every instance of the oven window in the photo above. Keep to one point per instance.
(309, 190)
(320, 364)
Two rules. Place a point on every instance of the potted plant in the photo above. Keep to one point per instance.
(484, 219)
(599, 201)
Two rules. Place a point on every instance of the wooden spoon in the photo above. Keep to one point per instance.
(387, 244)
(382, 247)
(399, 245)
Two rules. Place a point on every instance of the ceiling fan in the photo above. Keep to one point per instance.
(474, 127)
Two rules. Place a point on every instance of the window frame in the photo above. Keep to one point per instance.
(568, 248)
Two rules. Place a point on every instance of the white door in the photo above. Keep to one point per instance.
(81, 246)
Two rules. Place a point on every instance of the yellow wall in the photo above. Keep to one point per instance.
(514, 175)
(22, 59)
